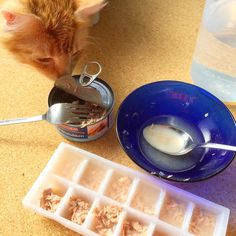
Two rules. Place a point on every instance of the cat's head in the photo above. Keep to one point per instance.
(50, 34)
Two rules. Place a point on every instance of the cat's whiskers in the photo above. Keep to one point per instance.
(91, 39)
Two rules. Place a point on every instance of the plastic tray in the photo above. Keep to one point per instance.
(163, 209)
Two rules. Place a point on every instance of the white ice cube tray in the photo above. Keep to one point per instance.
(164, 209)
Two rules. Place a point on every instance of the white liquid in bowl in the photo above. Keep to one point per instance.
(164, 139)
(153, 138)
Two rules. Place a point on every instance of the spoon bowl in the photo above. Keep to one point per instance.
(175, 141)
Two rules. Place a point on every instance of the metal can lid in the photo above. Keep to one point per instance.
(57, 95)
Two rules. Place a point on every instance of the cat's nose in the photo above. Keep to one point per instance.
(63, 66)
(61, 71)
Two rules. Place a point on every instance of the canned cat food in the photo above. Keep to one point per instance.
(93, 130)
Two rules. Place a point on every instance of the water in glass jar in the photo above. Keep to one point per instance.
(214, 60)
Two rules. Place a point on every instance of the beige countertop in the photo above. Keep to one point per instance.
(137, 42)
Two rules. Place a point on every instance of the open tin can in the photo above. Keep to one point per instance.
(76, 132)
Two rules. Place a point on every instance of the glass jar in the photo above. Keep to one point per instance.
(214, 61)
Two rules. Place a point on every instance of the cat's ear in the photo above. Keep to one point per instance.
(15, 21)
(88, 8)
(9, 17)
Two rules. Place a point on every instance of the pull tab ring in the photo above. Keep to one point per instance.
(86, 78)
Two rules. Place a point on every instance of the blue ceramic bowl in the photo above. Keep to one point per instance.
(186, 106)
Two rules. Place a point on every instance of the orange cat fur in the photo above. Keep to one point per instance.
(48, 34)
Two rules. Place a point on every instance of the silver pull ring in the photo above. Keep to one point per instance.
(87, 78)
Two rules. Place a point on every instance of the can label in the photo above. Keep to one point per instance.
(89, 132)
(73, 131)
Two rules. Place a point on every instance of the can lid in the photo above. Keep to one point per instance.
(58, 95)
(80, 86)
(72, 86)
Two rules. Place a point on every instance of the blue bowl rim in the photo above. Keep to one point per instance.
(157, 175)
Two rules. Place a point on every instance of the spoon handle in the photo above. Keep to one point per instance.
(219, 146)
(22, 120)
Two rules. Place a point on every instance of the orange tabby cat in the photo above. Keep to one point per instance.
(48, 34)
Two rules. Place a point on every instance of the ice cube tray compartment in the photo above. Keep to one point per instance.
(146, 202)
(76, 205)
(67, 163)
(105, 217)
(93, 175)
(118, 187)
(173, 211)
(164, 209)
(203, 221)
(48, 182)
(160, 230)
(134, 224)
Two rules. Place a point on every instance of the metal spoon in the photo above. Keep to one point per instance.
(168, 131)
(59, 113)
